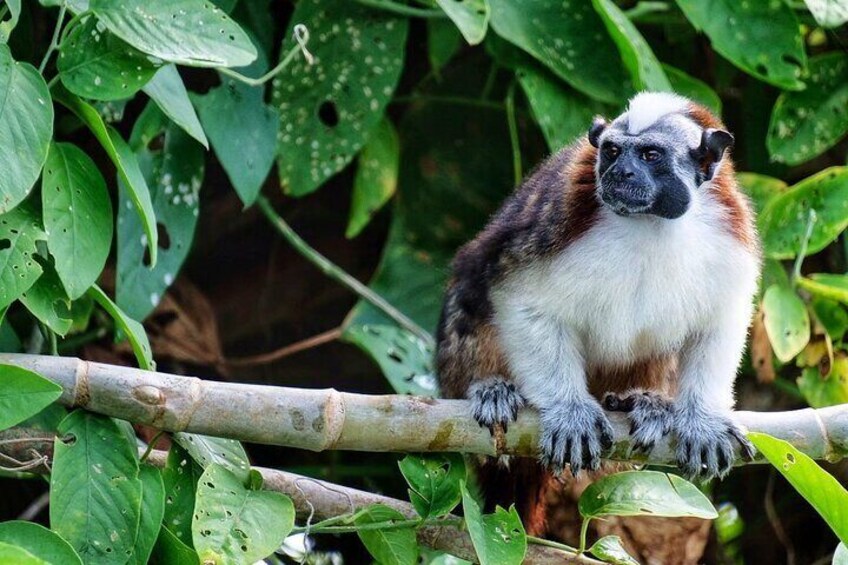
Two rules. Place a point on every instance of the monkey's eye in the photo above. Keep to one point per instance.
(612, 151)
(650, 155)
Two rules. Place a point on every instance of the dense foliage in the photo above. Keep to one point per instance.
(438, 107)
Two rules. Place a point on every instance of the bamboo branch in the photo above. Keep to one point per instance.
(325, 419)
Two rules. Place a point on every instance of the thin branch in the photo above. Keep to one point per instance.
(402, 9)
(802, 253)
(54, 42)
(291, 349)
(301, 37)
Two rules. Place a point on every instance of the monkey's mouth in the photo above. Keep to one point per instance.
(625, 202)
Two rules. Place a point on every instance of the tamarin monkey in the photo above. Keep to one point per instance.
(620, 273)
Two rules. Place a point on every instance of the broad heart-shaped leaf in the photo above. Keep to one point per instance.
(328, 109)
(376, 176)
(434, 482)
(645, 69)
(123, 158)
(610, 550)
(644, 493)
(786, 320)
(783, 221)
(23, 394)
(7, 25)
(761, 188)
(170, 94)
(174, 174)
(243, 133)
(152, 511)
(188, 32)
(826, 285)
(828, 13)
(26, 127)
(180, 475)
(13, 554)
(471, 17)
(817, 486)
(131, 329)
(692, 88)
(570, 39)
(208, 450)
(394, 546)
(95, 493)
(47, 301)
(820, 391)
(169, 549)
(235, 525)
(39, 541)
(95, 63)
(20, 229)
(806, 123)
(761, 38)
(77, 216)
(498, 538)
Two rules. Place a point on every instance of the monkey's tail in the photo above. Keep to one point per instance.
(516, 480)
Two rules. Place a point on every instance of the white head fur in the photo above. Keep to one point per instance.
(646, 108)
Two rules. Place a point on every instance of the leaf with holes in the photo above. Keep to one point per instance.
(820, 391)
(805, 124)
(692, 88)
(393, 546)
(610, 549)
(95, 63)
(152, 511)
(133, 330)
(180, 475)
(817, 486)
(95, 493)
(47, 301)
(828, 13)
(570, 39)
(235, 525)
(189, 32)
(783, 221)
(434, 482)
(20, 229)
(207, 450)
(170, 94)
(328, 110)
(761, 38)
(761, 189)
(376, 177)
(470, 16)
(23, 394)
(174, 172)
(7, 26)
(498, 538)
(786, 320)
(26, 127)
(39, 541)
(77, 216)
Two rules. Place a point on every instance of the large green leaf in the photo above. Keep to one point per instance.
(783, 221)
(26, 127)
(328, 109)
(610, 549)
(13, 554)
(394, 546)
(828, 13)
(133, 330)
(48, 301)
(470, 16)
(692, 88)
(39, 541)
(817, 486)
(208, 450)
(95, 493)
(23, 394)
(180, 475)
(235, 525)
(20, 229)
(498, 538)
(761, 189)
(376, 176)
(434, 482)
(761, 38)
(806, 123)
(152, 511)
(170, 94)
(786, 320)
(95, 63)
(77, 217)
(820, 391)
(568, 38)
(188, 32)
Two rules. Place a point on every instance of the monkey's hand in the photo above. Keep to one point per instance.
(494, 401)
(651, 416)
(574, 432)
(705, 442)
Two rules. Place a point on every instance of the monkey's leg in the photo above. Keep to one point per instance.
(494, 401)
(651, 416)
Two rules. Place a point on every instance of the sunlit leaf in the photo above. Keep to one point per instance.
(820, 391)
(39, 541)
(828, 13)
(12, 554)
(208, 450)
(611, 550)
(761, 188)
(434, 482)
(786, 320)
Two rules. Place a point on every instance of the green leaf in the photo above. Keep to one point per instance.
(169, 549)
(95, 493)
(170, 94)
(7, 26)
(761, 189)
(434, 482)
(804, 124)
(443, 42)
(235, 525)
(729, 525)
(820, 391)
(471, 17)
(19, 556)
(840, 556)
(376, 176)
(818, 487)
(761, 38)
(644, 493)
(610, 549)
(188, 32)
(94, 63)
(174, 172)
(26, 127)
(48, 302)
(133, 330)
(77, 217)
(571, 40)
(826, 285)
(23, 394)
(208, 450)
(498, 538)
(692, 88)
(395, 546)
(20, 229)
(39, 541)
(832, 316)
(123, 158)
(828, 13)
(180, 476)
(786, 320)
(327, 110)
(152, 511)
(644, 67)
(783, 222)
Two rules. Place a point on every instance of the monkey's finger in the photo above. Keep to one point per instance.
(748, 450)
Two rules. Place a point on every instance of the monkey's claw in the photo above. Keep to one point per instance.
(651, 416)
(574, 433)
(705, 444)
(495, 401)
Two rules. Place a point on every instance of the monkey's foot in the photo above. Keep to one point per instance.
(574, 433)
(705, 443)
(494, 401)
(651, 416)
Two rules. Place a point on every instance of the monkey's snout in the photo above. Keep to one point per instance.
(625, 199)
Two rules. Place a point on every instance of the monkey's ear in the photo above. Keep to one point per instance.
(598, 126)
(714, 142)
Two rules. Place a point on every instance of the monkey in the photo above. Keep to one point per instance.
(620, 274)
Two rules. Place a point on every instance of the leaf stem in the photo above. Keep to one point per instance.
(799, 260)
(584, 530)
(151, 445)
(338, 274)
(402, 9)
(551, 543)
(513, 134)
(301, 36)
(54, 42)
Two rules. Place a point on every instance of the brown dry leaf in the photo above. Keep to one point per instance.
(761, 352)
